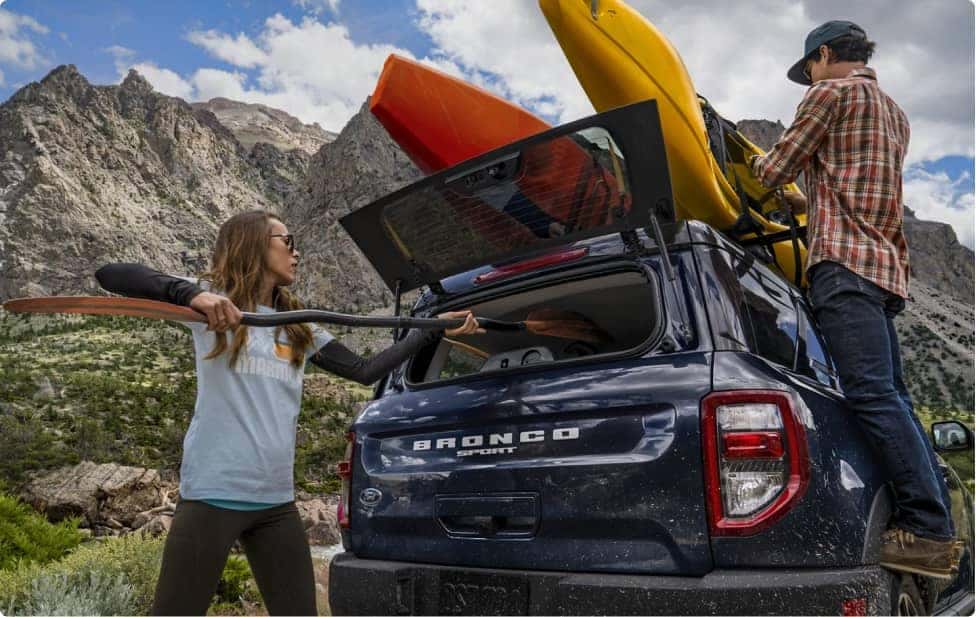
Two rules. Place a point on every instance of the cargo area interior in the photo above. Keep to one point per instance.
(623, 306)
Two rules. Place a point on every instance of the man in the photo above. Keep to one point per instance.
(850, 139)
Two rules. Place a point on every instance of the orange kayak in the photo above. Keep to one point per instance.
(440, 121)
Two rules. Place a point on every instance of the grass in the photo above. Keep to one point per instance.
(124, 391)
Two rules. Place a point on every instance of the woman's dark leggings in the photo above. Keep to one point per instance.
(200, 540)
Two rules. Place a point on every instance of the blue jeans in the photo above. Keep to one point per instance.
(856, 318)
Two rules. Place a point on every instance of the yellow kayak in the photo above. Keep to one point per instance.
(620, 58)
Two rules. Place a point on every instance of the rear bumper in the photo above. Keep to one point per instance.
(374, 587)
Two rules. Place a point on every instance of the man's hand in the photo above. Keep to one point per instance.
(221, 313)
(751, 163)
(797, 202)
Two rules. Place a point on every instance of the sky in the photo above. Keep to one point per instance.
(319, 60)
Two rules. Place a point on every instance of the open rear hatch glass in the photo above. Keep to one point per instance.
(574, 182)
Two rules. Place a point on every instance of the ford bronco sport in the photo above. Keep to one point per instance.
(697, 460)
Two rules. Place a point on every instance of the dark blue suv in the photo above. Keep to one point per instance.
(695, 458)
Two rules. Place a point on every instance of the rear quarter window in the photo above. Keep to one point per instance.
(812, 359)
(770, 310)
(748, 307)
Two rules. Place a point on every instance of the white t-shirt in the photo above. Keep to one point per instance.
(241, 442)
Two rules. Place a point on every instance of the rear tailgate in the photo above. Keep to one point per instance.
(578, 469)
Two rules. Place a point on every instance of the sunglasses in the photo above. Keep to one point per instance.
(806, 69)
(289, 240)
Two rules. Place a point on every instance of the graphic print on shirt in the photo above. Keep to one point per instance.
(268, 358)
(283, 351)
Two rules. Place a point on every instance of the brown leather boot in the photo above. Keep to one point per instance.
(905, 552)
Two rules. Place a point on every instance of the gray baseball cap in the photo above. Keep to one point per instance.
(822, 35)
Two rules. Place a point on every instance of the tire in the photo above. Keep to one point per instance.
(906, 599)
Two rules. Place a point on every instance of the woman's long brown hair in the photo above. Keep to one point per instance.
(237, 270)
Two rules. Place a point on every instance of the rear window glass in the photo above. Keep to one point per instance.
(548, 190)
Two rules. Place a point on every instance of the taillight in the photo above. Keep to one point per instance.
(854, 607)
(756, 463)
(528, 265)
(344, 471)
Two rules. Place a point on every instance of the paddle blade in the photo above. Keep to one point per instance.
(566, 324)
(98, 305)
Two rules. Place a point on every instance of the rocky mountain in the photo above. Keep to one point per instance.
(763, 133)
(936, 329)
(360, 166)
(251, 123)
(91, 174)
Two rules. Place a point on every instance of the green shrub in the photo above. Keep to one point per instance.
(28, 446)
(100, 575)
(236, 583)
(136, 558)
(85, 593)
(26, 536)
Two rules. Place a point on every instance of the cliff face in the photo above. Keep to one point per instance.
(360, 166)
(251, 123)
(98, 173)
(93, 174)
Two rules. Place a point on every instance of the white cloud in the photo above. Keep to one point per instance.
(312, 70)
(737, 54)
(120, 52)
(507, 47)
(166, 81)
(316, 7)
(240, 51)
(937, 197)
(218, 83)
(123, 58)
(16, 47)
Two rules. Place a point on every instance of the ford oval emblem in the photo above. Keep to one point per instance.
(370, 497)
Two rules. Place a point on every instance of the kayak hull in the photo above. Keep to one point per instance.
(620, 58)
(439, 120)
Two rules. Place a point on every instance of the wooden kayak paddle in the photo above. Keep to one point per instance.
(546, 322)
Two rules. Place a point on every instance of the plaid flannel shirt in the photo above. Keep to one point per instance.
(850, 139)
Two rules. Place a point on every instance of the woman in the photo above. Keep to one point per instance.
(239, 451)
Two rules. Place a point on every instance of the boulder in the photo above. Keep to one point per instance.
(45, 391)
(157, 526)
(126, 503)
(97, 493)
(140, 520)
(320, 522)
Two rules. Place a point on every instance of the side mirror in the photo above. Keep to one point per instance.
(951, 435)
